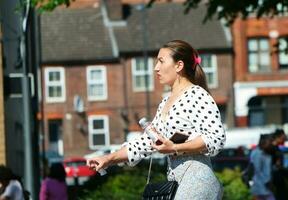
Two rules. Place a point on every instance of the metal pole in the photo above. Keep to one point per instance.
(145, 56)
(28, 172)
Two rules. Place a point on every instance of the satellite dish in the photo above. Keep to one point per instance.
(78, 104)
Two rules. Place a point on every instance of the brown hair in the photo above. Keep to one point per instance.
(192, 70)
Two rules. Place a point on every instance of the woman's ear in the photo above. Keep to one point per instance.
(179, 66)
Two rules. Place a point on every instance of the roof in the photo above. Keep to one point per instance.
(80, 34)
(73, 35)
(167, 22)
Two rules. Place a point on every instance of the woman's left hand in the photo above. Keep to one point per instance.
(166, 147)
(99, 162)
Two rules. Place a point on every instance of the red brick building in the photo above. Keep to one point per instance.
(261, 72)
(93, 70)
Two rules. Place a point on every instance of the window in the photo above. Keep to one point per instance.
(209, 65)
(55, 136)
(256, 115)
(282, 9)
(55, 84)
(13, 84)
(139, 73)
(258, 55)
(283, 56)
(98, 131)
(96, 83)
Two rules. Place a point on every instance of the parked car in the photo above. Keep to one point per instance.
(247, 136)
(231, 158)
(77, 172)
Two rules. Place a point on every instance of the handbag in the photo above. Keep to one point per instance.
(163, 190)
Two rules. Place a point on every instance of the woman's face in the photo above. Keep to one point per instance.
(165, 67)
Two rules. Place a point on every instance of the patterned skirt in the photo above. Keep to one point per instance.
(195, 176)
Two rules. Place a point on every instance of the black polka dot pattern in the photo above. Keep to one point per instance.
(194, 113)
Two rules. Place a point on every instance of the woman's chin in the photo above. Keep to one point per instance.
(162, 82)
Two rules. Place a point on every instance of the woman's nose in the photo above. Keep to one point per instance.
(156, 68)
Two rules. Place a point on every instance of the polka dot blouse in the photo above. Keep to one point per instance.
(194, 113)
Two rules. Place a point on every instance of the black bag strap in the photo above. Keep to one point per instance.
(149, 171)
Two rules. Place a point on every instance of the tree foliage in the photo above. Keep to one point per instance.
(222, 9)
(49, 5)
(231, 9)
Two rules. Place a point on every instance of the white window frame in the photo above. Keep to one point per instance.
(211, 69)
(103, 81)
(258, 52)
(92, 131)
(60, 83)
(282, 55)
(20, 76)
(142, 73)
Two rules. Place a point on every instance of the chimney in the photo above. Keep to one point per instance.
(114, 9)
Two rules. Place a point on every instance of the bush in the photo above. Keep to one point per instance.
(234, 188)
(123, 184)
(128, 184)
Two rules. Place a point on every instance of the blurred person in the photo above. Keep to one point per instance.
(189, 111)
(10, 184)
(261, 159)
(54, 186)
(279, 139)
(279, 173)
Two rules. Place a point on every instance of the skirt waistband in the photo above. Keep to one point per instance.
(174, 161)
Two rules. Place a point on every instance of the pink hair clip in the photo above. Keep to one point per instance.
(198, 60)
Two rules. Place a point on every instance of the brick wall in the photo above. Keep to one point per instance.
(242, 30)
(121, 98)
(75, 140)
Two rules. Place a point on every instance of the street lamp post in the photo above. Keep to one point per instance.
(28, 161)
(145, 56)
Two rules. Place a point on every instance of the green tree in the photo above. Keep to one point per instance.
(48, 5)
(222, 9)
(232, 9)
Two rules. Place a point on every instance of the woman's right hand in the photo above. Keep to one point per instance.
(100, 162)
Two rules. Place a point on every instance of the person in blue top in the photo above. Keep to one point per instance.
(279, 172)
(261, 159)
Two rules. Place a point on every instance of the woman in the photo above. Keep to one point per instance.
(189, 110)
(54, 186)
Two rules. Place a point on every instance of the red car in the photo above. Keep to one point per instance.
(76, 168)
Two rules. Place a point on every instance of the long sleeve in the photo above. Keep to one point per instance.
(262, 166)
(138, 149)
(206, 121)
(262, 172)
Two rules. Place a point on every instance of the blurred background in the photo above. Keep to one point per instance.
(76, 77)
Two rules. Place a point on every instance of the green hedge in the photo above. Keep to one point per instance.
(234, 188)
(128, 183)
